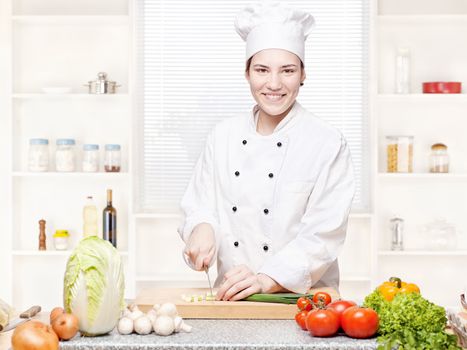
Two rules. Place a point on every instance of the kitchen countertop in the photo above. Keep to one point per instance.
(214, 334)
(223, 334)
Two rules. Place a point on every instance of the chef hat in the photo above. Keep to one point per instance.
(271, 25)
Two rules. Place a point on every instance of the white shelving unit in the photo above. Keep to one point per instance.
(434, 32)
(70, 96)
(65, 43)
(446, 253)
(65, 253)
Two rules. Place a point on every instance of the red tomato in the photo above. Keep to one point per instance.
(322, 296)
(322, 322)
(304, 304)
(359, 322)
(300, 318)
(341, 305)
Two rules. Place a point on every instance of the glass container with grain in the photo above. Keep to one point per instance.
(399, 151)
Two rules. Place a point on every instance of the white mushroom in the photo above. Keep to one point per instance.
(133, 307)
(164, 325)
(125, 325)
(126, 313)
(180, 325)
(136, 314)
(167, 309)
(143, 325)
(152, 315)
(156, 307)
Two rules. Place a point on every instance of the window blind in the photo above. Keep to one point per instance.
(191, 76)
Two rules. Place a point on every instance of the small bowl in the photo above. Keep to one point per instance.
(56, 90)
(442, 87)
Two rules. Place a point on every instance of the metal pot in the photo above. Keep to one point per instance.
(102, 85)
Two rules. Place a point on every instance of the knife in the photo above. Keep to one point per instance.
(206, 269)
(23, 317)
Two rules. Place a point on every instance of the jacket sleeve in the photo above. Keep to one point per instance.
(305, 259)
(198, 203)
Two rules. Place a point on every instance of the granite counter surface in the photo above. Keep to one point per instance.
(223, 334)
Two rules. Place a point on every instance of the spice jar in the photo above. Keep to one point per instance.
(90, 158)
(38, 156)
(399, 154)
(112, 158)
(61, 239)
(65, 155)
(439, 158)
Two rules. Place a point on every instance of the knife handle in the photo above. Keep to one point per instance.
(33, 310)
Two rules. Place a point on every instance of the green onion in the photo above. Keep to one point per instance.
(283, 298)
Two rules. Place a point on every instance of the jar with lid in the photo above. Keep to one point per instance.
(65, 155)
(38, 155)
(439, 234)
(399, 151)
(439, 158)
(112, 158)
(61, 239)
(90, 158)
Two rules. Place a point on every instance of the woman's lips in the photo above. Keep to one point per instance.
(273, 97)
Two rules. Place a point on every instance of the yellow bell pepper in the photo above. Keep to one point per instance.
(395, 286)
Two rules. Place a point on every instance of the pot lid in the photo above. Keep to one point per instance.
(101, 77)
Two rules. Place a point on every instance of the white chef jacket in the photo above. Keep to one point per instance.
(278, 203)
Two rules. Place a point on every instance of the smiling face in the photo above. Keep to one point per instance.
(274, 76)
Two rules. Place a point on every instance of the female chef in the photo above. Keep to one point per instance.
(271, 193)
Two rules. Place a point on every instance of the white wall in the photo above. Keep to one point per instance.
(5, 154)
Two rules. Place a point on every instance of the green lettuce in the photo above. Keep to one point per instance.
(410, 322)
(94, 286)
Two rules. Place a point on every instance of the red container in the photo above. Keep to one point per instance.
(442, 87)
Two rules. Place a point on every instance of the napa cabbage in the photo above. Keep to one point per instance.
(94, 286)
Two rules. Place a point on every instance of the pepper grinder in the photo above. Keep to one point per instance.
(42, 245)
(397, 226)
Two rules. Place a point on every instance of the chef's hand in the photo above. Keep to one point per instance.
(201, 246)
(240, 282)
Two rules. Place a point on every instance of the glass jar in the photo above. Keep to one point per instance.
(397, 230)
(112, 158)
(61, 239)
(65, 155)
(439, 158)
(90, 158)
(38, 156)
(403, 70)
(439, 235)
(399, 151)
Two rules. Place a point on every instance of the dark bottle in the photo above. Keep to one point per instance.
(109, 216)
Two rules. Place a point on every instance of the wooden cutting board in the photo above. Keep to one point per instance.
(219, 309)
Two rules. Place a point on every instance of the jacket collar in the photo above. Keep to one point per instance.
(285, 123)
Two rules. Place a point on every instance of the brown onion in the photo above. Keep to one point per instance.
(56, 311)
(65, 326)
(34, 335)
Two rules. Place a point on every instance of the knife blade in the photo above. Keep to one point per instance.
(23, 317)
(206, 269)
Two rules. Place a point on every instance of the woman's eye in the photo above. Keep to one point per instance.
(289, 71)
(261, 70)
